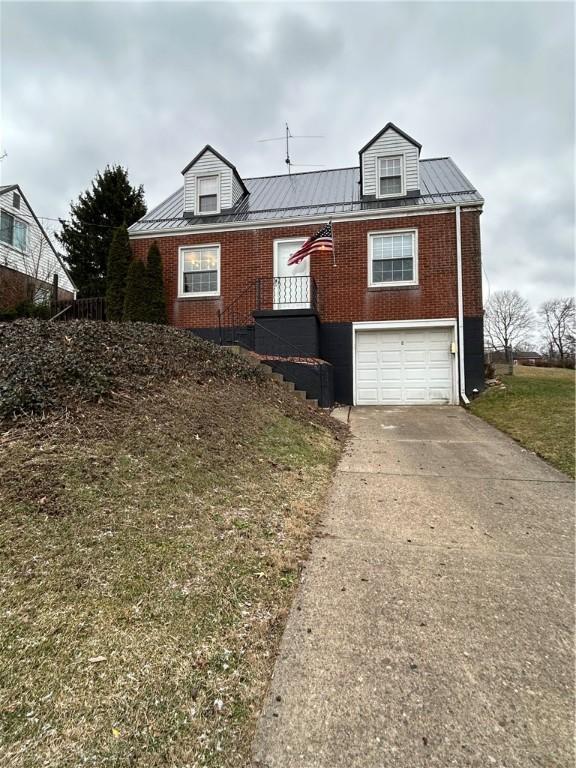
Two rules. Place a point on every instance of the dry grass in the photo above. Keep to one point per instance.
(537, 409)
(150, 550)
(534, 372)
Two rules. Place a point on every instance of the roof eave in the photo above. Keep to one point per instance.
(344, 215)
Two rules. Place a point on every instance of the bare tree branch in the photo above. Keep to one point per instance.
(508, 320)
(558, 322)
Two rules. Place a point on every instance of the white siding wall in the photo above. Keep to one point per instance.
(38, 260)
(237, 190)
(390, 143)
(207, 165)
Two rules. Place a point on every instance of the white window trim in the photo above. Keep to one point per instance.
(195, 247)
(402, 158)
(26, 224)
(197, 194)
(393, 283)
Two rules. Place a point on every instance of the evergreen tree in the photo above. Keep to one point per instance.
(135, 308)
(110, 202)
(118, 260)
(156, 303)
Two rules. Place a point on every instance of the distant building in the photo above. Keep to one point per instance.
(526, 358)
(28, 260)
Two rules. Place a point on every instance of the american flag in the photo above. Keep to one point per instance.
(321, 242)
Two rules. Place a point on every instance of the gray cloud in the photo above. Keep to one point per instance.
(147, 85)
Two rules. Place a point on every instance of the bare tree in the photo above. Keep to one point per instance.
(558, 320)
(40, 264)
(508, 320)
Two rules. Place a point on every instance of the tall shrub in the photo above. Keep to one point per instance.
(118, 259)
(135, 297)
(156, 302)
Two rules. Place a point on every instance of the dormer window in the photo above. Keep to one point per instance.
(208, 194)
(211, 184)
(390, 176)
(390, 165)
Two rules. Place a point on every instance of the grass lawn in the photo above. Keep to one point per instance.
(149, 553)
(537, 409)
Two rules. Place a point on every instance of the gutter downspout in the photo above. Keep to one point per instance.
(461, 377)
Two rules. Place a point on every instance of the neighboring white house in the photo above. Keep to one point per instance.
(28, 259)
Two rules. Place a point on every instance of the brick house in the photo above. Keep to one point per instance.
(395, 314)
(28, 260)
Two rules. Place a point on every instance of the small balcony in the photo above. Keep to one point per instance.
(286, 293)
(276, 306)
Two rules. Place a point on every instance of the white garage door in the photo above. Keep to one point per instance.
(404, 367)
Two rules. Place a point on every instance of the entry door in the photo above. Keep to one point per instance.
(291, 283)
(405, 367)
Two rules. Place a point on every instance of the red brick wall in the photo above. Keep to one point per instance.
(343, 290)
(471, 264)
(16, 287)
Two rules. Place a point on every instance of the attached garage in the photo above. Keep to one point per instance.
(405, 364)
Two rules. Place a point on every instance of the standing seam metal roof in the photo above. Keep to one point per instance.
(316, 193)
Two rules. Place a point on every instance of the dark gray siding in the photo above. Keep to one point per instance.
(474, 354)
(336, 348)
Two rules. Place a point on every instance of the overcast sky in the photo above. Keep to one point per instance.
(148, 84)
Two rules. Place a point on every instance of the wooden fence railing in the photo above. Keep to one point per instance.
(79, 309)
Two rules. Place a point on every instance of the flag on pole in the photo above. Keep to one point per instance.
(321, 242)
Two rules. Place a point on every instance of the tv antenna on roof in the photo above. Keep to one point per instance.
(288, 135)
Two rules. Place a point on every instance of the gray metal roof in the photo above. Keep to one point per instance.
(316, 193)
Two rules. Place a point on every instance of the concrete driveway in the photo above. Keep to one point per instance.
(434, 622)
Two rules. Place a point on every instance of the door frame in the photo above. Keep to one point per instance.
(397, 325)
(275, 275)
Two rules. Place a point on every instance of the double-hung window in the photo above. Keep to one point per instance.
(13, 231)
(390, 171)
(208, 196)
(393, 258)
(199, 271)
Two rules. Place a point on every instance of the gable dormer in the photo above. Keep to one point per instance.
(389, 165)
(211, 184)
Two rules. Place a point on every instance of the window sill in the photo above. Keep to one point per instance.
(23, 251)
(394, 287)
(392, 196)
(199, 297)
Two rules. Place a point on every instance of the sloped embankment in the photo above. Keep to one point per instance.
(155, 508)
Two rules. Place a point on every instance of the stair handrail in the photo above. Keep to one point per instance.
(300, 357)
(230, 310)
(62, 311)
(233, 316)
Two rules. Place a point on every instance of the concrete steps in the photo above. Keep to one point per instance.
(254, 360)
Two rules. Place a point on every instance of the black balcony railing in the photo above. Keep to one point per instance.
(236, 321)
(297, 292)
